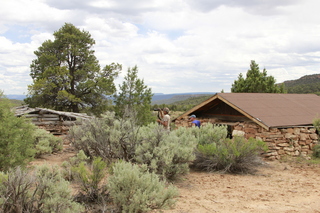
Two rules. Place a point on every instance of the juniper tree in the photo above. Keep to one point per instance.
(256, 82)
(67, 75)
(134, 96)
(16, 137)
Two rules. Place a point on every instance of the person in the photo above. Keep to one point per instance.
(165, 121)
(194, 121)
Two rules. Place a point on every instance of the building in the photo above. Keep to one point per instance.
(283, 121)
(55, 122)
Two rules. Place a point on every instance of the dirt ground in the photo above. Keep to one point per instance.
(276, 187)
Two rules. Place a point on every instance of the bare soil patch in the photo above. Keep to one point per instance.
(276, 187)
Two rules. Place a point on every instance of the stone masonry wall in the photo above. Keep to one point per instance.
(291, 141)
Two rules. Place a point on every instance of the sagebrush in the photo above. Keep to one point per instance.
(91, 179)
(107, 137)
(16, 138)
(237, 155)
(134, 189)
(41, 191)
(46, 142)
(166, 153)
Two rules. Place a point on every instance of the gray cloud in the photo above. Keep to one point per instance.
(258, 7)
(123, 7)
(179, 46)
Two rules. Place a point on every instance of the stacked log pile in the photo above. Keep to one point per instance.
(55, 122)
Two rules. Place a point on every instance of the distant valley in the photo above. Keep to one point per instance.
(305, 84)
(158, 98)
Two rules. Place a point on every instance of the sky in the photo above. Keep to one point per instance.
(179, 46)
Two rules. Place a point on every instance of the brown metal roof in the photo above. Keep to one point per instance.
(271, 109)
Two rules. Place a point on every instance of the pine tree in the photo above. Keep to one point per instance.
(256, 82)
(16, 137)
(134, 97)
(66, 74)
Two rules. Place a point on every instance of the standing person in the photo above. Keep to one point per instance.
(194, 121)
(165, 121)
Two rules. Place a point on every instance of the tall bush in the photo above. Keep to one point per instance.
(106, 137)
(210, 133)
(90, 178)
(42, 191)
(236, 155)
(46, 142)
(166, 153)
(134, 190)
(16, 138)
(67, 172)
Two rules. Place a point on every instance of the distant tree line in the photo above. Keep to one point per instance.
(304, 85)
(256, 82)
(183, 105)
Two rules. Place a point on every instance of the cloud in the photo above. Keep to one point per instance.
(257, 7)
(179, 46)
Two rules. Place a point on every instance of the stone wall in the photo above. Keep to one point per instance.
(291, 141)
(184, 122)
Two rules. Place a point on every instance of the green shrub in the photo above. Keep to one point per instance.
(236, 155)
(210, 133)
(316, 151)
(46, 142)
(72, 162)
(42, 191)
(106, 137)
(53, 193)
(90, 178)
(316, 124)
(168, 154)
(15, 190)
(134, 190)
(16, 138)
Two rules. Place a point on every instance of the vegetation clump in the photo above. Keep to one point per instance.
(236, 155)
(46, 142)
(256, 82)
(91, 177)
(42, 191)
(168, 154)
(67, 76)
(107, 137)
(316, 151)
(133, 189)
(16, 138)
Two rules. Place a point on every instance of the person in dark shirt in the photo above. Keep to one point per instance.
(194, 121)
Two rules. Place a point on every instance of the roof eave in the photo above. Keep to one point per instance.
(196, 107)
(256, 120)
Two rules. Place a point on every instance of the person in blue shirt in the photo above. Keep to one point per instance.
(194, 121)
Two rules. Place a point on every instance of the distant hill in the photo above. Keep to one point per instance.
(176, 97)
(303, 85)
(16, 97)
(158, 98)
(193, 101)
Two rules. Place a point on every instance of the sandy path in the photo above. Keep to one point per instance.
(275, 188)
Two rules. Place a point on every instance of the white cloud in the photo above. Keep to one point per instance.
(179, 46)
